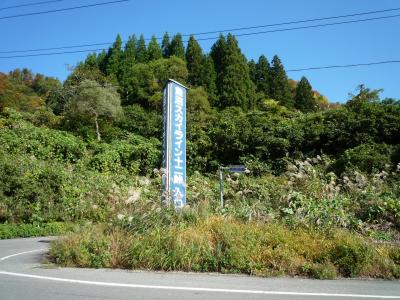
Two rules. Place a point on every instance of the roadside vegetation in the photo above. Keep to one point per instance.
(322, 198)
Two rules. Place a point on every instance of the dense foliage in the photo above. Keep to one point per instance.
(89, 150)
(228, 246)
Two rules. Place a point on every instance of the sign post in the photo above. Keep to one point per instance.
(174, 144)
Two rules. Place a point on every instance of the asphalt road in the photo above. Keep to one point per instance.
(23, 275)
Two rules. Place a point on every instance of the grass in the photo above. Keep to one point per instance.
(9, 231)
(218, 244)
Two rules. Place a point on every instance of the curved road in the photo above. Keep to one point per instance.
(24, 275)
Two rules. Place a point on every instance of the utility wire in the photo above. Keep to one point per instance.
(210, 32)
(297, 21)
(214, 38)
(30, 4)
(62, 9)
(52, 53)
(307, 27)
(346, 66)
(55, 48)
(290, 70)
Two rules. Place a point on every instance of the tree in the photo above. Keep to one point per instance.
(89, 71)
(279, 86)
(262, 76)
(141, 51)
(154, 51)
(364, 95)
(44, 85)
(165, 45)
(217, 53)
(128, 62)
(195, 62)
(304, 98)
(252, 70)
(101, 61)
(129, 55)
(234, 84)
(91, 60)
(209, 78)
(113, 60)
(95, 102)
(147, 80)
(24, 76)
(16, 92)
(172, 67)
(197, 102)
(176, 47)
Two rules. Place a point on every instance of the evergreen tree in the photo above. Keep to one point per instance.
(234, 85)
(218, 52)
(165, 45)
(176, 47)
(252, 70)
(129, 56)
(262, 76)
(102, 61)
(279, 85)
(91, 60)
(141, 51)
(209, 78)
(128, 63)
(304, 98)
(154, 51)
(113, 60)
(195, 62)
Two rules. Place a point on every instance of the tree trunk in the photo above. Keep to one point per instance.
(97, 128)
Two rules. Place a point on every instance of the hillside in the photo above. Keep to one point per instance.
(321, 200)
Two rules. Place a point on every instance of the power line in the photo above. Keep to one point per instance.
(55, 48)
(346, 66)
(290, 70)
(217, 31)
(52, 53)
(30, 4)
(308, 27)
(214, 38)
(62, 9)
(297, 21)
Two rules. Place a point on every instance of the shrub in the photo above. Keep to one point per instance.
(91, 249)
(9, 231)
(39, 191)
(41, 143)
(366, 158)
(350, 255)
(135, 154)
(320, 270)
(219, 244)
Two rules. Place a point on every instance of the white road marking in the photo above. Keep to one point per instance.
(21, 253)
(180, 288)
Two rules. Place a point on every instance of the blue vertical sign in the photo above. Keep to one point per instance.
(174, 144)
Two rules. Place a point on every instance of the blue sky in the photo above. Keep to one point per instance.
(343, 44)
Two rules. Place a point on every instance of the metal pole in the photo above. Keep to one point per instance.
(220, 187)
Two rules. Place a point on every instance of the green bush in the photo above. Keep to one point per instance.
(219, 244)
(350, 256)
(41, 143)
(9, 231)
(366, 158)
(320, 270)
(45, 191)
(135, 154)
(91, 250)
